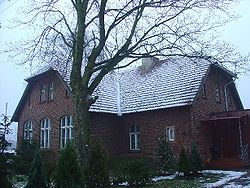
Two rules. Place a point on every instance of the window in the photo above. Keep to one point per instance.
(29, 104)
(66, 130)
(204, 93)
(217, 93)
(134, 134)
(27, 131)
(43, 93)
(45, 133)
(170, 133)
(51, 91)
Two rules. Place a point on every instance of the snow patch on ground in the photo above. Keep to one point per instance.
(228, 176)
(159, 178)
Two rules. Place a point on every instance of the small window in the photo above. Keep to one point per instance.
(27, 131)
(204, 93)
(43, 93)
(230, 100)
(67, 93)
(29, 104)
(170, 134)
(134, 134)
(217, 93)
(66, 130)
(45, 133)
(51, 91)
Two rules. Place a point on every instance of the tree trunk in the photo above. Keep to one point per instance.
(81, 127)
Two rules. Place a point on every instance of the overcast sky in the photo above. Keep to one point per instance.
(12, 77)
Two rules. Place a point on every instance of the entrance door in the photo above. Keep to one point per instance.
(230, 141)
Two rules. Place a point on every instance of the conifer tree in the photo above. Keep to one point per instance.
(165, 159)
(195, 160)
(183, 164)
(36, 176)
(96, 171)
(68, 173)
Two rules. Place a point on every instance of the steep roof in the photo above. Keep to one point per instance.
(169, 83)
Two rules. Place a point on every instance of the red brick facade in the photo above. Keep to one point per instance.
(113, 130)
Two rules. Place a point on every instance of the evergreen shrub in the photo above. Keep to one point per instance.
(68, 171)
(49, 163)
(36, 177)
(136, 171)
(183, 163)
(25, 154)
(165, 158)
(195, 160)
(96, 174)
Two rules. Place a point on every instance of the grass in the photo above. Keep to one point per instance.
(171, 184)
(180, 182)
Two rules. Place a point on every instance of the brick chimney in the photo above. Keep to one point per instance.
(148, 63)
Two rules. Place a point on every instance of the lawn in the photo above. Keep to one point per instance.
(207, 179)
(171, 184)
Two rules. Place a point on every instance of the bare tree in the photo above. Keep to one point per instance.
(92, 37)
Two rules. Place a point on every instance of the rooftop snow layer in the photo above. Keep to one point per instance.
(167, 84)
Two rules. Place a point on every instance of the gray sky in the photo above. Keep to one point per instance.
(12, 77)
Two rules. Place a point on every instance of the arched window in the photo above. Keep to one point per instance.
(66, 130)
(45, 133)
(27, 131)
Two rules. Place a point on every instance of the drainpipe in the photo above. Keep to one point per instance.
(225, 93)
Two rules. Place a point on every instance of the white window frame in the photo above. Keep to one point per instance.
(45, 133)
(170, 134)
(27, 131)
(134, 137)
(51, 91)
(43, 93)
(66, 130)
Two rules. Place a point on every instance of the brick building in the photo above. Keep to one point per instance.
(188, 101)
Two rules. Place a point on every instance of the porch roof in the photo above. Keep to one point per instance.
(227, 115)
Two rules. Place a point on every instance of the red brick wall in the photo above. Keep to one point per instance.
(60, 106)
(103, 125)
(201, 133)
(153, 125)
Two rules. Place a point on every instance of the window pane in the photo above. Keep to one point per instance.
(63, 122)
(138, 141)
(68, 120)
(42, 139)
(132, 141)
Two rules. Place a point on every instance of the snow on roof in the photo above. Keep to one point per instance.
(170, 83)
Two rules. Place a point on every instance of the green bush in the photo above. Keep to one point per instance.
(165, 159)
(96, 174)
(117, 166)
(68, 173)
(49, 164)
(183, 164)
(136, 171)
(24, 156)
(195, 160)
(36, 177)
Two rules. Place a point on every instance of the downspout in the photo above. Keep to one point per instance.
(225, 94)
(119, 111)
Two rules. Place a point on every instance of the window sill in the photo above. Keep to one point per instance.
(134, 150)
